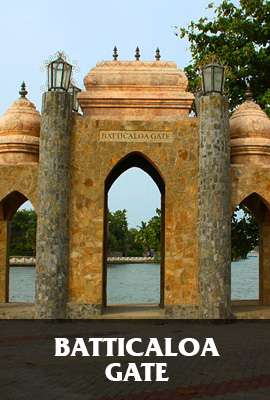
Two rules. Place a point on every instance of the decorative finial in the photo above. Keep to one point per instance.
(248, 93)
(61, 54)
(23, 92)
(115, 53)
(157, 56)
(137, 54)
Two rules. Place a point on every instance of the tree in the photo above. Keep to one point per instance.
(133, 242)
(245, 233)
(239, 37)
(143, 237)
(134, 248)
(23, 233)
(149, 234)
(154, 226)
(117, 232)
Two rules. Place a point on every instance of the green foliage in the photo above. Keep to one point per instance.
(23, 233)
(149, 234)
(117, 232)
(135, 248)
(133, 242)
(245, 233)
(146, 238)
(238, 36)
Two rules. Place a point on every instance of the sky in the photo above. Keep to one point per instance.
(32, 31)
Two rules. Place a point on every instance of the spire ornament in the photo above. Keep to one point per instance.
(157, 56)
(248, 93)
(115, 53)
(23, 92)
(137, 54)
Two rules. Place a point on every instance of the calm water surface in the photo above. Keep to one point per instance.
(22, 284)
(139, 283)
(245, 279)
(133, 283)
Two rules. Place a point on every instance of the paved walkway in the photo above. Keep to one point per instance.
(27, 311)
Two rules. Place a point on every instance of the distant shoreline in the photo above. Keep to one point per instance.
(133, 260)
(31, 261)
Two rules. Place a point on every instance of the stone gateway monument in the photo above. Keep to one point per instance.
(134, 114)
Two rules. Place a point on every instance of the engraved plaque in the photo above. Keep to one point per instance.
(136, 136)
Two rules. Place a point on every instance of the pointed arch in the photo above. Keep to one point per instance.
(251, 195)
(259, 207)
(256, 204)
(138, 160)
(9, 205)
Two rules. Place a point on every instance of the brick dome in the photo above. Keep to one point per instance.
(19, 132)
(250, 134)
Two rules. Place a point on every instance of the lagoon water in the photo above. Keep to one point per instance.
(133, 283)
(139, 283)
(22, 284)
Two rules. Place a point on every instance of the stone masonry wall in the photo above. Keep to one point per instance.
(91, 162)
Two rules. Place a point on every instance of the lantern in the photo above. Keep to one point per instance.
(213, 78)
(74, 91)
(59, 74)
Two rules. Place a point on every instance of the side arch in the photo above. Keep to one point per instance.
(252, 196)
(13, 200)
(131, 160)
(241, 198)
(259, 207)
(9, 205)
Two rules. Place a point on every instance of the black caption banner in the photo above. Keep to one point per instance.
(134, 360)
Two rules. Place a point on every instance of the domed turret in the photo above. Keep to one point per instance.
(19, 132)
(250, 134)
(135, 90)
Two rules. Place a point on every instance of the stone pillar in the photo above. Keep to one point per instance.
(214, 208)
(4, 271)
(53, 206)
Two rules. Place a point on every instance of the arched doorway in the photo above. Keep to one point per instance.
(134, 160)
(18, 243)
(250, 268)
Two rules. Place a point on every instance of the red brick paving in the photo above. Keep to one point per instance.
(197, 391)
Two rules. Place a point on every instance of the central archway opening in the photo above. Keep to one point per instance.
(133, 265)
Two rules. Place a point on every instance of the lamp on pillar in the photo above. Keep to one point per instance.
(59, 74)
(214, 197)
(212, 78)
(53, 193)
(74, 91)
